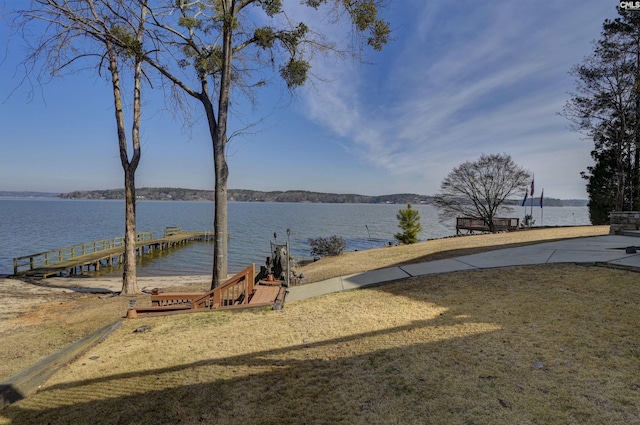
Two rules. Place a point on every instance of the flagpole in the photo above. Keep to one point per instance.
(524, 206)
(531, 201)
(541, 208)
(531, 211)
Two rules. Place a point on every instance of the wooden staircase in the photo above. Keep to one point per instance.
(240, 291)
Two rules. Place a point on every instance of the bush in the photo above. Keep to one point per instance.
(323, 247)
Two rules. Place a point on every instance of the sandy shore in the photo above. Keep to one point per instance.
(18, 296)
(114, 284)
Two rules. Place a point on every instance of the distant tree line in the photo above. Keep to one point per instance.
(244, 195)
(157, 194)
(550, 202)
(26, 194)
(318, 197)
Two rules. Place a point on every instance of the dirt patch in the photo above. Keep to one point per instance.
(17, 298)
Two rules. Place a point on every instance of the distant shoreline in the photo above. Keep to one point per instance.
(245, 195)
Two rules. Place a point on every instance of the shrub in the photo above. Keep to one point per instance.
(409, 222)
(323, 247)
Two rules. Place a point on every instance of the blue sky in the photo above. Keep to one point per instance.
(461, 78)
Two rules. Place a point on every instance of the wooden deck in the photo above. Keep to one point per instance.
(239, 292)
(77, 259)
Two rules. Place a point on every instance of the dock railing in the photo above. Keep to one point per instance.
(168, 231)
(51, 258)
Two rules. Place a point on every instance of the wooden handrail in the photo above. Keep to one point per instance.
(237, 288)
(49, 258)
(240, 291)
(241, 284)
(168, 231)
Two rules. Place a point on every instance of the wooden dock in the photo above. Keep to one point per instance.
(77, 259)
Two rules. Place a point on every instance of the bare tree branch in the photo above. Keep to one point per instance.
(479, 189)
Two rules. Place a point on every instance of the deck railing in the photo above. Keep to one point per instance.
(51, 258)
(235, 291)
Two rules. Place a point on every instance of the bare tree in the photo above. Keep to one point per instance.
(479, 189)
(215, 51)
(102, 35)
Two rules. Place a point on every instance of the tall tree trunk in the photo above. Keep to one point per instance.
(220, 262)
(635, 176)
(635, 190)
(620, 166)
(129, 273)
(218, 138)
(219, 141)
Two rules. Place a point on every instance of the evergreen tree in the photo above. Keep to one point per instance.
(606, 107)
(409, 222)
(601, 186)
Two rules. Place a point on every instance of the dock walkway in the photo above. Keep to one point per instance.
(78, 258)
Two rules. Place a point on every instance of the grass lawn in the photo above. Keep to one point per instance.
(552, 344)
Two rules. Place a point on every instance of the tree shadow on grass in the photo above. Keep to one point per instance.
(473, 361)
(330, 391)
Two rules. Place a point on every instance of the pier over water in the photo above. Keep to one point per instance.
(81, 258)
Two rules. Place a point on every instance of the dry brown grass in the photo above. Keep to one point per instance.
(52, 321)
(437, 249)
(526, 345)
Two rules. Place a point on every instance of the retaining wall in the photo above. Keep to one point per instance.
(624, 220)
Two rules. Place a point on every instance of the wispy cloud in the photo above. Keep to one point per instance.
(490, 77)
(461, 78)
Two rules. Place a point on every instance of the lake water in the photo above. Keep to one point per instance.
(31, 226)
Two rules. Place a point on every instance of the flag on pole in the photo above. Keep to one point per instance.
(524, 201)
(541, 196)
(532, 191)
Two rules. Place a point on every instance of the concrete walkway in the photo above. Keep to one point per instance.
(610, 249)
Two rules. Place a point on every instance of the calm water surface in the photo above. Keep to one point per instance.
(31, 226)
